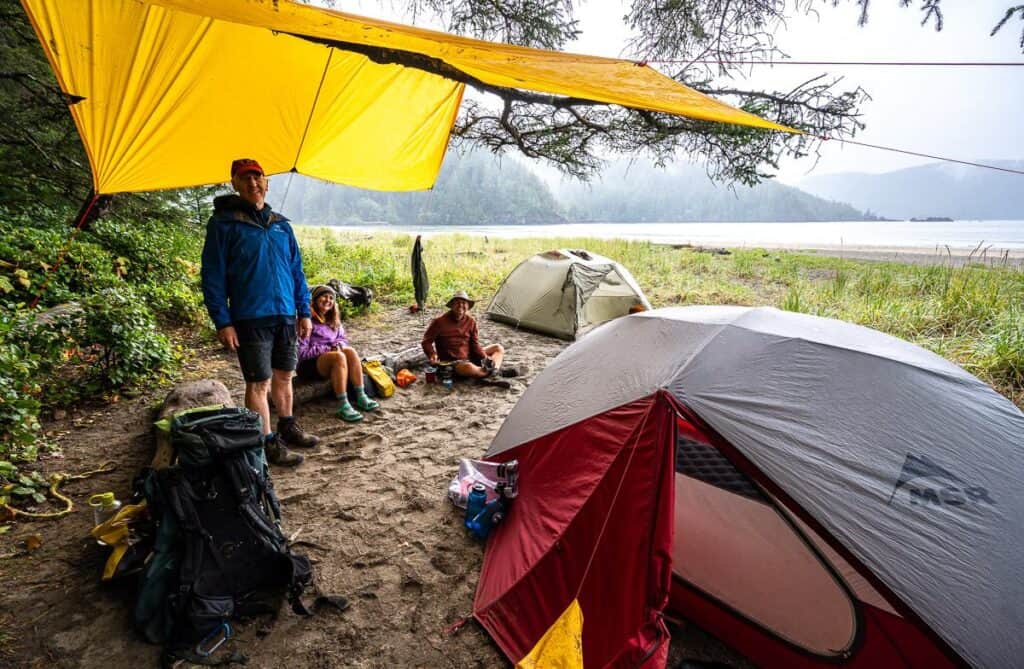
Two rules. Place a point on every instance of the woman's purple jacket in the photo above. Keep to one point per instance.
(322, 339)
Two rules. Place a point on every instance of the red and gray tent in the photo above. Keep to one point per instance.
(814, 493)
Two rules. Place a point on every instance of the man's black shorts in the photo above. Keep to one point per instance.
(266, 347)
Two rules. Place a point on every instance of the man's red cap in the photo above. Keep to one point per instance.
(243, 165)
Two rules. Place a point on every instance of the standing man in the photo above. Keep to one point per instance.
(256, 294)
(453, 337)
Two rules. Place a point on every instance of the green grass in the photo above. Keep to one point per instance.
(970, 315)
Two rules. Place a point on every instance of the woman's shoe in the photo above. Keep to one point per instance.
(348, 414)
(365, 403)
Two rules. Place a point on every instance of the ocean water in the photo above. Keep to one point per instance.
(992, 236)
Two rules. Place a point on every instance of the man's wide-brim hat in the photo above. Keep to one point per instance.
(459, 295)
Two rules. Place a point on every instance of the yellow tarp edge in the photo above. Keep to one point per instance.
(561, 647)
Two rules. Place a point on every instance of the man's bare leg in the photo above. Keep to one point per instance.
(281, 391)
(256, 400)
(496, 352)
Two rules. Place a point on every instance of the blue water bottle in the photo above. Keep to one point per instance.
(475, 503)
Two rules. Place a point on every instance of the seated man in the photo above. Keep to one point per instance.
(453, 337)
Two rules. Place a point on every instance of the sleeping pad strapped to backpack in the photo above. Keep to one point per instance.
(219, 552)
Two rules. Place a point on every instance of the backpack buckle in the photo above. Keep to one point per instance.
(213, 640)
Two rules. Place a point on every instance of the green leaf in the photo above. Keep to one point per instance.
(22, 491)
(26, 481)
(39, 497)
(4, 528)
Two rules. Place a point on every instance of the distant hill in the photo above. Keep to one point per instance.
(934, 190)
(472, 189)
(478, 189)
(641, 192)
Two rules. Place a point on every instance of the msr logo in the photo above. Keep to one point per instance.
(928, 484)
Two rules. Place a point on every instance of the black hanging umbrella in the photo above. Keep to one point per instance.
(420, 283)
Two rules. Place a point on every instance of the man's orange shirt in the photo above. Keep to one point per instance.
(454, 340)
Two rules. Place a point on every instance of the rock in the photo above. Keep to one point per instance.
(186, 396)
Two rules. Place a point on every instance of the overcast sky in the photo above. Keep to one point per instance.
(966, 113)
(959, 112)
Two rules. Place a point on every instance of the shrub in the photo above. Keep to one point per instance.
(19, 391)
(120, 343)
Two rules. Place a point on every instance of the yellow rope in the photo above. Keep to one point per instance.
(55, 482)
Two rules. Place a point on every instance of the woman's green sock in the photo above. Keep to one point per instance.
(363, 400)
(346, 412)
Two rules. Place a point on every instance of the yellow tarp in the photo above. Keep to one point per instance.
(172, 90)
(561, 647)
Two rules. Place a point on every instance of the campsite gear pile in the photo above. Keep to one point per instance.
(812, 492)
(565, 293)
(219, 552)
(486, 491)
(357, 296)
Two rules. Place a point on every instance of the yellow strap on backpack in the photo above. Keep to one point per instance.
(375, 370)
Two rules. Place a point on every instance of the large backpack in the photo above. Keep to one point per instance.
(219, 552)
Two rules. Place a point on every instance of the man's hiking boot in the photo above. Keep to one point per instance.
(290, 433)
(278, 454)
(510, 371)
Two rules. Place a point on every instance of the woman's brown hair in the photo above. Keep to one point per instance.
(333, 317)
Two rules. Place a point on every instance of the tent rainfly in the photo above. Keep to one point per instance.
(165, 93)
(565, 292)
(814, 493)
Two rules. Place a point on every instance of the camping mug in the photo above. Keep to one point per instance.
(430, 373)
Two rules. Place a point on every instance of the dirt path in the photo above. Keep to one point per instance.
(369, 500)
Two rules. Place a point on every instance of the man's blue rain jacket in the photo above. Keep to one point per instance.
(251, 270)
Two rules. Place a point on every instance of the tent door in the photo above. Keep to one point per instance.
(734, 545)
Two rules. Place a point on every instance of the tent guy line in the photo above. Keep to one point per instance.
(921, 155)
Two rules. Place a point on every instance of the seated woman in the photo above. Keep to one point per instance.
(326, 353)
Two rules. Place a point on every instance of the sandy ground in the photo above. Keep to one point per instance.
(369, 502)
